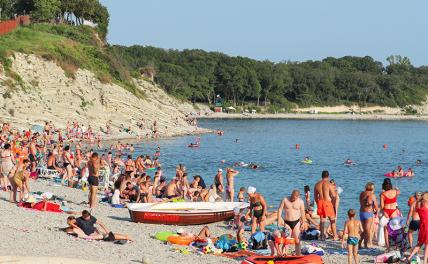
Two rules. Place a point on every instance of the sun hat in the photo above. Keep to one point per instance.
(396, 223)
(251, 189)
(220, 170)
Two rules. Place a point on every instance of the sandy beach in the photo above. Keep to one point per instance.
(29, 233)
(304, 116)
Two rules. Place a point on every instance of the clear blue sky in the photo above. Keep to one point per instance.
(277, 30)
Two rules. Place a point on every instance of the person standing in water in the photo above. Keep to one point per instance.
(324, 191)
(230, 192)
(295, 218)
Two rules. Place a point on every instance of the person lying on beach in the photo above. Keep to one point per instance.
(84, 227)
(203, 234)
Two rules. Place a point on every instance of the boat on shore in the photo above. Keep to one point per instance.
(186, 213)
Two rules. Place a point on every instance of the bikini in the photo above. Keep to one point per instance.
(386, 200)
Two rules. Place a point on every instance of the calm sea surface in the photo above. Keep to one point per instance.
(271, 144)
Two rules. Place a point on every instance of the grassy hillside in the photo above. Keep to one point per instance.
(71, 48)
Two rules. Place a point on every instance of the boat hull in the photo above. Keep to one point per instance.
(164, 216)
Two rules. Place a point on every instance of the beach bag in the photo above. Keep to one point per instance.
(259, 241)
(311, 234)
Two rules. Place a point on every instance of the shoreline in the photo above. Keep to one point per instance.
(301, 116)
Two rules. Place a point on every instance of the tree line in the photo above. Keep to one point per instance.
(59, 11)
(198, 76)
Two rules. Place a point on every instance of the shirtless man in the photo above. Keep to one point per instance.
(230, 192)
(130, 166)
(295, 218)
(324, 191)
(172, 189)
(218, 182)
(32, 156)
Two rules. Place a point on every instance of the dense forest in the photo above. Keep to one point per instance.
(198, 76)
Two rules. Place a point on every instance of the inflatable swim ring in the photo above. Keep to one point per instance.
(307, 161)
(284, 240)
(191, 145)
(179, 240)
(163, 235)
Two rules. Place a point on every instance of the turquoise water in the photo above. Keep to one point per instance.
(271, 144)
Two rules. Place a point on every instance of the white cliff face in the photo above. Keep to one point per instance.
(48, 94)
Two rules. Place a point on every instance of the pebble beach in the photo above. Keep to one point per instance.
(29, 233)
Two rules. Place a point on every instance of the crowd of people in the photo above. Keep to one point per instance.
(124, 177)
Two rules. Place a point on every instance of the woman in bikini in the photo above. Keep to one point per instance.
(368, 206)
(68, 165)
(258, 210)
(6, 166)
(20, 180)
(388, 204)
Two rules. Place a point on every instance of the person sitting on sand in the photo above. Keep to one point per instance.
(312, 223)
(172, 190)
(352, 231)
(131, 192)
(161, 188)
(198, 183)
(211, 195)
(84, 227)
(203, 234)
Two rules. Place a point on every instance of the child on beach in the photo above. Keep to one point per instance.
(353, 230)
(241, 194)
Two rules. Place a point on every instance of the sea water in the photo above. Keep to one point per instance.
(377, 147)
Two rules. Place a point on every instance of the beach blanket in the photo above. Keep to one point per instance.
(39, 206)
(238, 255)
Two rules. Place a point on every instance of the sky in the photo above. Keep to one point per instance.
(277, 30)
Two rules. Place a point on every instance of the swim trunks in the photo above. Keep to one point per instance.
(93, 180)
(353, 241)
(325, 209)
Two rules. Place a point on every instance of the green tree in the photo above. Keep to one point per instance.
(45, 10)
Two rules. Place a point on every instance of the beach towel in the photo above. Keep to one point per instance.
(51, 207)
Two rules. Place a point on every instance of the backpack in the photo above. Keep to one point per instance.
(259, 240)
